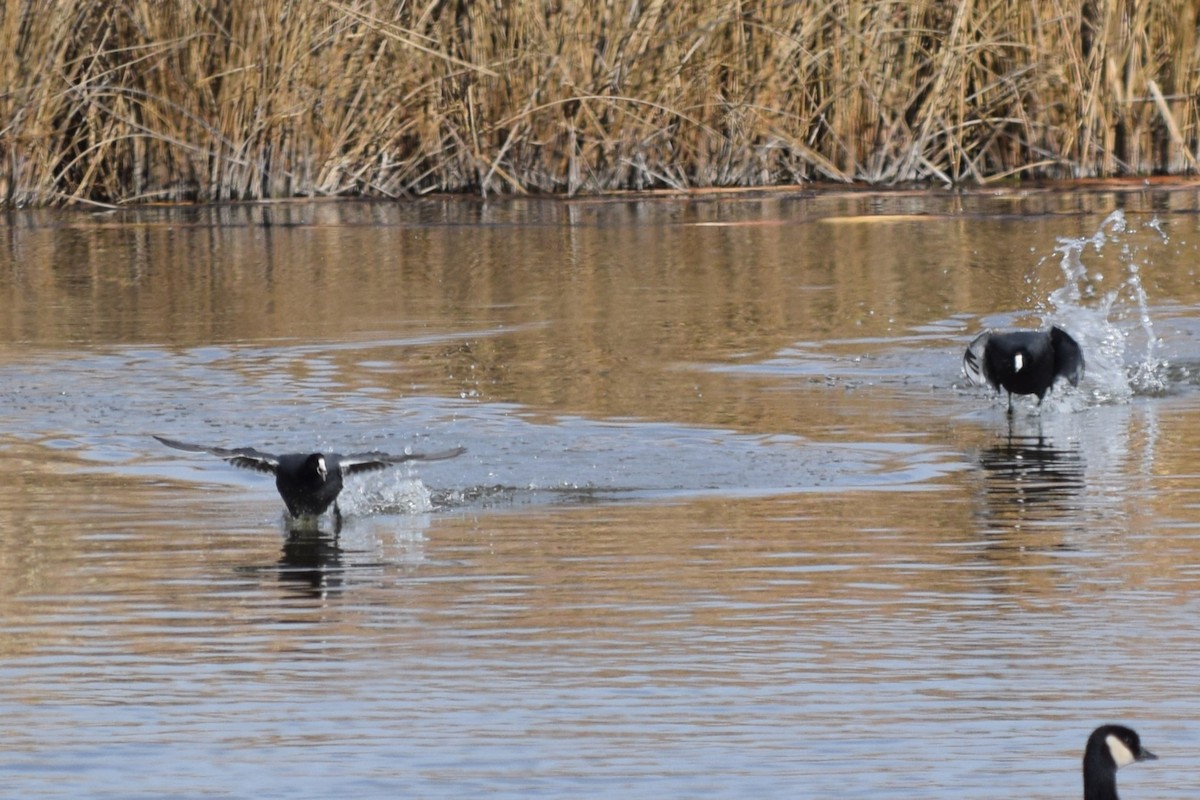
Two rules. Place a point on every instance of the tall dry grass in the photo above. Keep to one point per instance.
(123, 101)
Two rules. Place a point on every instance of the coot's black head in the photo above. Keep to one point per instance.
(316, 465)
(308, 484)
(1109, 748)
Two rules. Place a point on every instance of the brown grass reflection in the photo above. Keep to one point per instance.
(596, 308)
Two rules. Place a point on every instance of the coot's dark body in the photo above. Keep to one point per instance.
(1024, 362)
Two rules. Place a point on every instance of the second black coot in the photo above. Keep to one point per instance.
(1023, 362)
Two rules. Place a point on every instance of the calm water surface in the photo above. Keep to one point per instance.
(731, 523)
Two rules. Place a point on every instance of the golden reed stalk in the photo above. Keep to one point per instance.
(126, 101)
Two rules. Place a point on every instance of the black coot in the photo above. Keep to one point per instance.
(1023, 362)
(309, 483)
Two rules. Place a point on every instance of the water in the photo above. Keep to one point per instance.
(731, 521)
(1086, 303)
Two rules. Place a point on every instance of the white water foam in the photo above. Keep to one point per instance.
(1110, 318)
(389, 491)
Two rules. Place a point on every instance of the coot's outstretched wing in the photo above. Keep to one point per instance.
(1068, 356)
(974, 365)
(366, 462)
(244, 457)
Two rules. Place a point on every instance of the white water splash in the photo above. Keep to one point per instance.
(390, 491)
(1111, 322)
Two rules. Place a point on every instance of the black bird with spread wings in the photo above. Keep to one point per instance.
(309, 483)
(1023, 362)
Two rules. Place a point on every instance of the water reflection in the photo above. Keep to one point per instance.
(722, 489)
(1029, 475)
(312, 562)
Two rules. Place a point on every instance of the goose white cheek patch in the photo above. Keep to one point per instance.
(1120, 753)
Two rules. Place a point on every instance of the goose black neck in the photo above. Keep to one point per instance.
(1099, 776)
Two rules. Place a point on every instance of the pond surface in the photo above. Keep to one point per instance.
(731, 522)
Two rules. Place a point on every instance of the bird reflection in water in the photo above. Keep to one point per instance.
(1029, 475)
(312, 561)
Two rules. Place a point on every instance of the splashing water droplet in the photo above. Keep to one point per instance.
(390, 491)
(1113, 325)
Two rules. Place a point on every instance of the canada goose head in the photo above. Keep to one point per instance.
(1109, 748)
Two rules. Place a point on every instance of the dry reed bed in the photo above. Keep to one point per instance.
(126, 101)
